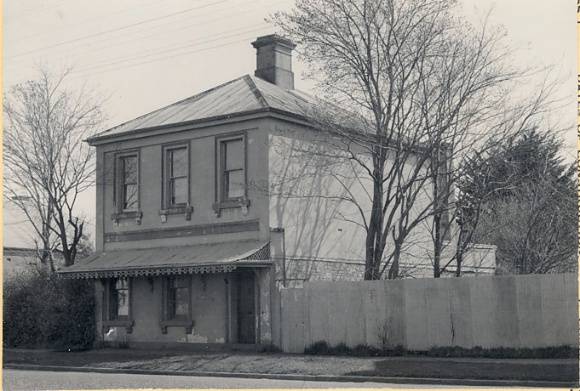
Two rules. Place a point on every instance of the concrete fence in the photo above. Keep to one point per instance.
(501, 311)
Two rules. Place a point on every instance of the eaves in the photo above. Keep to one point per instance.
(141, 133)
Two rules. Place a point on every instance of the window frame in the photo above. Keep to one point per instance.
(172, 298)
(222, 201)
(114, 299)
(118, 188)
(165, 174)
(108, 318)
(167, 320)
(122, 181)
(223, 186)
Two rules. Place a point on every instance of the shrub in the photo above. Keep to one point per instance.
(366, 351)
(42, 311)
(320, 347)
(363, 350)
(502, 352)
(398, 350)
(270, 348)
(323, 348)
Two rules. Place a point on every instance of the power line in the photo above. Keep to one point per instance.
(245, 39)
(16, 222)
(116, 29)
(156, 52)
(32, 10)
(179, 28)
(108, 67)
(124, 10)
(157, 31)
(116, 42)
(103, 66)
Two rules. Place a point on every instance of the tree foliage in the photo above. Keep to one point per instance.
(523, 198)
(43, 311)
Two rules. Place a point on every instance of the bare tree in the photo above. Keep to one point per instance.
(417, 87)
(47, 163)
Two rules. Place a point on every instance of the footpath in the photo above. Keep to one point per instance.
(416, 370)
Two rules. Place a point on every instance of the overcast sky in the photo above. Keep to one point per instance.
(149, 53)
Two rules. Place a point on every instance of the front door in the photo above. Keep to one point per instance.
(246, 308)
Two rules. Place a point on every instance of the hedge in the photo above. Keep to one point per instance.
(322, 348)
(43, 311)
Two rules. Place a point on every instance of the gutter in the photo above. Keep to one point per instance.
(204, 122)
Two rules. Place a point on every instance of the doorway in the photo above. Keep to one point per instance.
(246, 304)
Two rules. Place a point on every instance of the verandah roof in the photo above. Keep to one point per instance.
(203, 258)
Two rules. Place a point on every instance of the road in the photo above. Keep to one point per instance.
(45, 380)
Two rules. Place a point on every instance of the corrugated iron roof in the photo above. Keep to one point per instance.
(203, 258)
(238, 96)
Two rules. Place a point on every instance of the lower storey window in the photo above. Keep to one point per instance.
(119, 299)
(178, 297)
(117, 304)
(177, 303)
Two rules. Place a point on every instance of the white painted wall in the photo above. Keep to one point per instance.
(305, 181)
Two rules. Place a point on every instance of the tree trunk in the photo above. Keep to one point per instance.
(459, 252)
(437, 245)
(394, 269)
(374, 245)
(438, 209)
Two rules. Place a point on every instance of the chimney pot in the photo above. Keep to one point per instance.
(274, 60)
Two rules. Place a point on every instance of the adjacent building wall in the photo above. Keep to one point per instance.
(19, 261)
(477, 261)
(524, 311)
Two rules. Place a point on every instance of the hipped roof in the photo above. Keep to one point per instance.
(244, 95)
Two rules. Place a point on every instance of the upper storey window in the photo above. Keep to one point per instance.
(233, 172)
(127, 182)
(130, 182)
(126, 189)
(231, 182)
(177, 178)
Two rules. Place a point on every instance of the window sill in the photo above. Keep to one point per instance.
(128, 324)
(126, 215)
(241, 202)
(185, 210)
(187, 323)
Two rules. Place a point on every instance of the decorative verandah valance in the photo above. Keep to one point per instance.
(203, 258)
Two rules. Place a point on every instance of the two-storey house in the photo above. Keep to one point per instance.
(189, 233)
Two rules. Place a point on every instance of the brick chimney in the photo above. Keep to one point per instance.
(274, 60)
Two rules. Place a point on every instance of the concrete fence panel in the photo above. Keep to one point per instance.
(293, 320)
(500, 311)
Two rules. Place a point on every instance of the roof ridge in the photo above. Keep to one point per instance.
(256, 91)
(192, 98)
